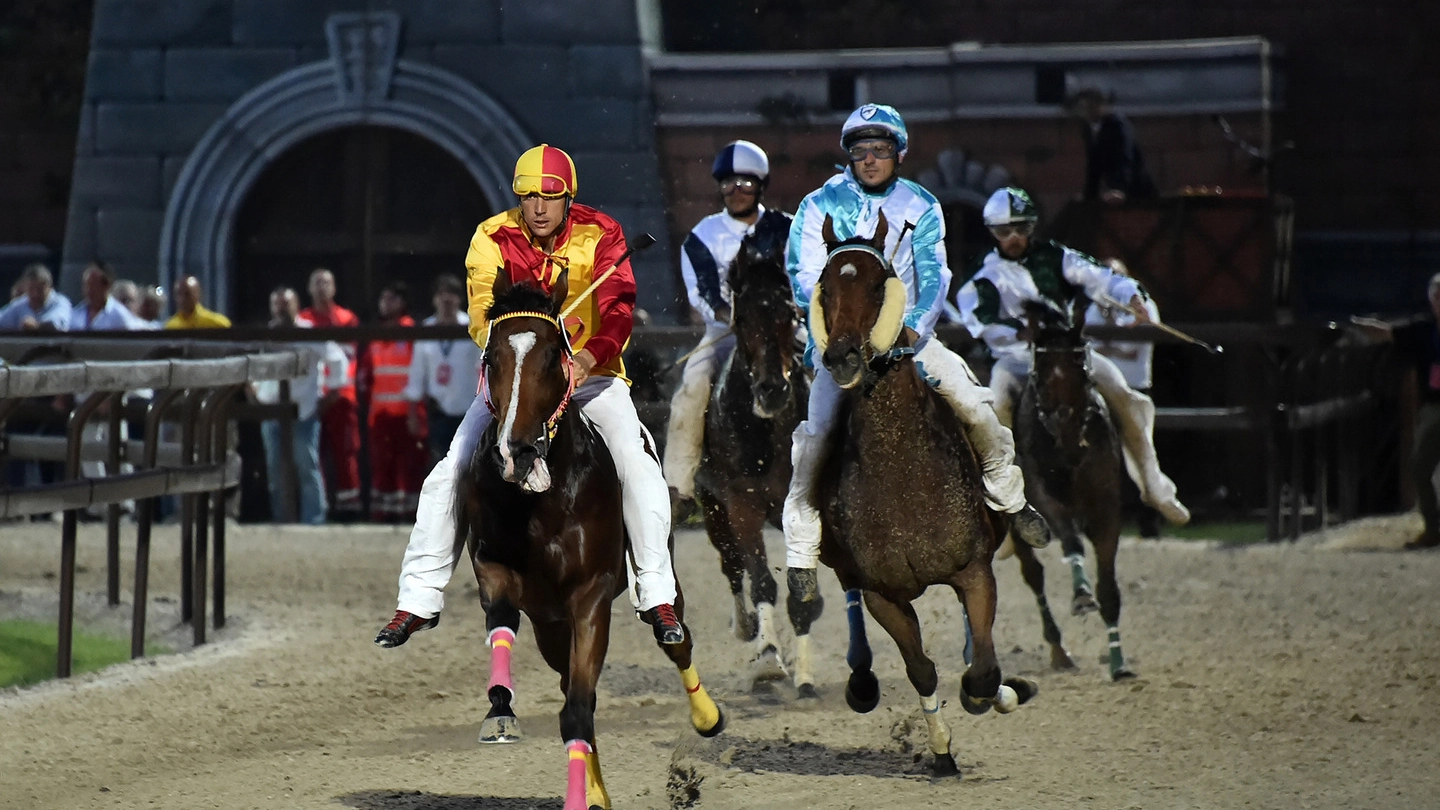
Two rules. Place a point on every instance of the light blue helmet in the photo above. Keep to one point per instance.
(875, 121)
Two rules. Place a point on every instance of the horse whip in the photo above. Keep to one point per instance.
(909, 226)
(642, 241)
(1166, 328)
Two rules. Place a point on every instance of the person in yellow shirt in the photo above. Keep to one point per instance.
(189, 313)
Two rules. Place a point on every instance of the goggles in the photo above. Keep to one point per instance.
(545, 185)
(1014, 229)
(881, 149)
(730, 184)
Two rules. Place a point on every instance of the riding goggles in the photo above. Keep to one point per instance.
(1014, 229)
(730, 184)
(882, 150)
(546, 185)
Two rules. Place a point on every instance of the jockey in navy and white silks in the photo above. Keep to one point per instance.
(876, 139)
(742, 170)
(992, 308)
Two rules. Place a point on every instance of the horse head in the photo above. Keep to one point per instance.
(527, 376)
(1060, 371)
(763, 319)
(857, 311)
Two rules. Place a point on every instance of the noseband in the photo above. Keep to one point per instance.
(552, 425)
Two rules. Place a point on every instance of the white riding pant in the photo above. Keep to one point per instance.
(605, 401)
(952, 377)
(685, 434)
(1134, 411)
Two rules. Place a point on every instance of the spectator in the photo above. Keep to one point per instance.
(189, 312)
(332, 365)
(397, 457)
(444, 374)
(1418, 342)
(128, 294)
(1134, 361)
(1114, 168)
(339, 409)
(151, 308)
(40, 308)
(100, 309)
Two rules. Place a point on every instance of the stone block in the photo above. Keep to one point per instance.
(123, 75)
(521, 76)
(274, 22)
(170, 169)
(576, 124)
(85, 136)
(221, 74)
(122, 128)
(472, 22)
(606, 71)
(131, 234)
(169, 23)
(564, 22)
(80, 238)
(123, 181)
(618, 177)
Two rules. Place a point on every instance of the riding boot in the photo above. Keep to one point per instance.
(1135, 414)
(685, 434)
(800, 519)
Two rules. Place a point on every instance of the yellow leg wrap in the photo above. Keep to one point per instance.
(595, 793)
(704, 714)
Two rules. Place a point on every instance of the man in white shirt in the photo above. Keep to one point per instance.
(444, 372)
(331, 364)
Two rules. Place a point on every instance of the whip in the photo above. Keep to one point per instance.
(1170, 330)
(642, 241)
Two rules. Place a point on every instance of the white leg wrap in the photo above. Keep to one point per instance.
(767, 637)
(993, 442)
(1135, 413)
(685, 433)
(646, 499)
(803, 672)
(939, 732)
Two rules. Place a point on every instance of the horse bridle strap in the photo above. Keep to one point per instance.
(863, 249)
(552, 425)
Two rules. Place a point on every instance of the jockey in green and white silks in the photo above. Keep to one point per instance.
(876, 140)
(992, 308)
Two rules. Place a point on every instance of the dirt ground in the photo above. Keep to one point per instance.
(1294, 676)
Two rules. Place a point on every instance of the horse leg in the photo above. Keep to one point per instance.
(980, 686)
(862, 690)
(706, 715)
(1073, 550)
(804, 604)
(900, 621)
(1033, 572)
(590, 636)
(732, 562)
(748, 521)
(502, 620)
(1106, 539)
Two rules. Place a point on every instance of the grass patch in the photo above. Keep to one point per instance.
(1232, 532)
(27, 652)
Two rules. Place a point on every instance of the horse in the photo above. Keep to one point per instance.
(745, 468)
(900, 492)
(539, 505)
(1071, 457)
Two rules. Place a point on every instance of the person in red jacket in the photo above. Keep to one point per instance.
(398, 458)
(339, 411)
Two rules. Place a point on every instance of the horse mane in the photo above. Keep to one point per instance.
(527, 296)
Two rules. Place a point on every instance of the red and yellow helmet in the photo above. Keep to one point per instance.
(546, 171)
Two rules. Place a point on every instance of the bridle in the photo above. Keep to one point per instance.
(552, 425)
(877, 361)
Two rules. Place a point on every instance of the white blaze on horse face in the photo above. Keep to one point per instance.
(521, 343)
(848, 270)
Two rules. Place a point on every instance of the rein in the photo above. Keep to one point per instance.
(552, 425)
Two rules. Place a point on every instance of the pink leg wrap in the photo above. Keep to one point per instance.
(501, 638)
(579, 753)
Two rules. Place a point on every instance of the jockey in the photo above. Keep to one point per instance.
(875, 138)
(992, 307)
(742, 171)
(543, 236)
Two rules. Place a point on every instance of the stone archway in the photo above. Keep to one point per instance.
(197, 236)
(962, 184)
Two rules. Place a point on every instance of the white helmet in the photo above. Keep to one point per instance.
(741, 157)
(1009, 205)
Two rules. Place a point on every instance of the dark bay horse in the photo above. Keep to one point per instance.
(900, 494)
(745, 470)
(1067, 447)
(539, 502)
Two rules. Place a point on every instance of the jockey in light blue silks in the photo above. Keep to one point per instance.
(876, 140)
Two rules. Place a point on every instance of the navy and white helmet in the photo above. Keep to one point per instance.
(741, 157)
(1009, 205)
(875, 121)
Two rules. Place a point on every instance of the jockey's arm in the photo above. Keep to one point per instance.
(805, 254)
(1101, 283)
(979, 304)
(482, 262)
(702, 279)
(614, 300)
(932, 272)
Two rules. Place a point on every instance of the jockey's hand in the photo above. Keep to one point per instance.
(1137, 309)
(584, 361)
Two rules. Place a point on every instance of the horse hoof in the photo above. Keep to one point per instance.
(944, 766)
(1061, 661)
(974, 705)
(766, 667)
(1123, 674)
(500, 730)
(862, 692)
(1024, 688)
(1084, 603)
(747, 627)
(719, 724)
(806, 691)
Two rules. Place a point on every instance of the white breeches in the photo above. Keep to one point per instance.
(605, 401)
(948, 373)
(685, 434)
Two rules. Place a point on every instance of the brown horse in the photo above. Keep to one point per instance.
(1068, 450)
(545, 530)
(745, 470)
(900, 494)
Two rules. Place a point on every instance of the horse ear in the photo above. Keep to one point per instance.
(502, 284)
(559, 291)
(827, 232)
(882, 229)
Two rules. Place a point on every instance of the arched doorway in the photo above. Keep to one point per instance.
(373, 204)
